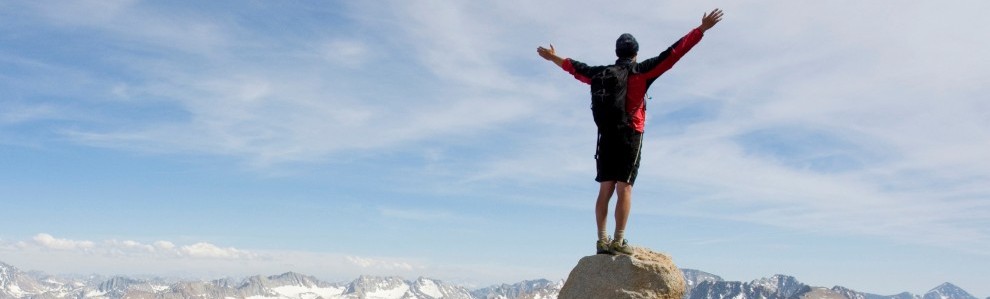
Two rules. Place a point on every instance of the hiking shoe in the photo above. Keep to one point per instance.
(604, 246)
(621, 246)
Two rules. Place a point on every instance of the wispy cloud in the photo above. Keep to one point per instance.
(201, 260)
(380, 264)
(818, 127)
(48, 241)
(136, 22)
(130, 248)
(848, 140)
(207, 250)
(289, 100)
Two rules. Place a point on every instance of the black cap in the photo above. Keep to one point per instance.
(626, 46)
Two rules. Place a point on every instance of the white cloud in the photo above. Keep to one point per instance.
(380, 264)
(204, 260)
(133, 245)
(214, 261)
(50, 242)
(207, 250)
(158, 249)
(163, 245)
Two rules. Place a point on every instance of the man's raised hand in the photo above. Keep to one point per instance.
(709, 20)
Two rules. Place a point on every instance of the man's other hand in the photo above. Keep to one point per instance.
(547, 54)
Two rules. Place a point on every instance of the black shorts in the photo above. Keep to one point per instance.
(618, 155)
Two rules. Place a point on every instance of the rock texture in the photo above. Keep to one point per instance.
(645, 274)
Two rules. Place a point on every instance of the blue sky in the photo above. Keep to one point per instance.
(844, 143)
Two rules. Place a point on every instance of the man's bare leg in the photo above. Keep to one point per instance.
(605, 191)
(622, 206)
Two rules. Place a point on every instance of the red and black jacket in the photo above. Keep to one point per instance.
(642, 76)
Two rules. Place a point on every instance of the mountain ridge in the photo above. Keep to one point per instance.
(17, 284)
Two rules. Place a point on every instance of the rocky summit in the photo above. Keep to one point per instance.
(644, 274)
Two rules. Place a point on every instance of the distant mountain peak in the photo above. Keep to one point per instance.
(947, 291)
(295, 279)
(946, 286)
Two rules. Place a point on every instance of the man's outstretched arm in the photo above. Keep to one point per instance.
(551, 55)
(580, 71)
(656, 66)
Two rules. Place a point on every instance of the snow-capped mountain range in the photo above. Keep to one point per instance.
(703, 285)
(16, 284)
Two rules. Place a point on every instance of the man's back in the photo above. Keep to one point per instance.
(641, 75)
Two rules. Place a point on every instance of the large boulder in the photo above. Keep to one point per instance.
(645, 274)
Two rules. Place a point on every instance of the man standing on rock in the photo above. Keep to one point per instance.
(618, 95)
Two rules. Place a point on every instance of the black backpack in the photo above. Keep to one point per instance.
(608, 98)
